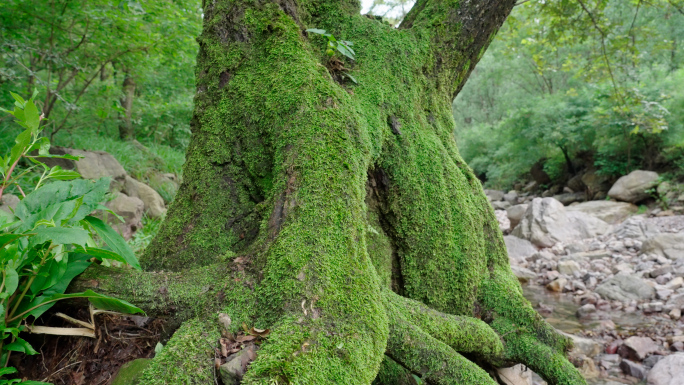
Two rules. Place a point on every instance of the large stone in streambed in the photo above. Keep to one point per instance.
(546, 222)
(625, 288)
(632, 187)
(668, 371)
(516, 375)
(518, 248)
(131, 371)
(668, 245)
(607, 211)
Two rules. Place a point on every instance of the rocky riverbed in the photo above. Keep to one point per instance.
(607, 273)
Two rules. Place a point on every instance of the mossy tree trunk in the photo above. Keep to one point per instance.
(338, 215)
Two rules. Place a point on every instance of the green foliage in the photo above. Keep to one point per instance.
(49, 238)
(342, 46)
(576, 85)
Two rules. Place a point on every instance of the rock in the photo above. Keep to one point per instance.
(675, 314)
(131, 371)
(675, 284)
(524, 275)
(530, 186)
(494, 195)
(668, 371)
(635, 228)
(154, 203)
(607, 211)
(587, 367)
(538, 174)
(590, 255)
(661, 271)
(669, 245)
(650, 361)
(585, 310)
(546, 222)
(568, 267)
(632, 187)
(516, 375)
(236, 365)
(166, 184)
(557, 285)
(8, 203)
(518, 248)
(131, 209)
(625, 288)
(500, 205)
(569, 198)
(515, 214)
(585, 346)
(511, 197)
(94, 165)
(637, 348)
(595, 183)
(633, 369)
(575, 183)
(676, 301)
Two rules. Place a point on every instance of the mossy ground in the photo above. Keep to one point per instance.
(277, 188)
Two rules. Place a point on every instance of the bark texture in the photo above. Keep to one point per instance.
(338, 215)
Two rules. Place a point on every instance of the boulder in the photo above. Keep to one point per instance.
(515, 214)
(511, 197)
(635, 228)
(568, 267)
(575, 183)
(633, 369)
(524, 275)
(625, 288)
(546, 222)
(637, 348)
(568, 198)
(585, 346)
(500, 205)
(518, 248)
(668, 371)
(516, 375)
(632, 187)
(538, 174)
(668, 245)
(130, 209)
(8, 203)
(607, 211)
(595, 183)
(154, 203)
(494, 195)
(94, 165)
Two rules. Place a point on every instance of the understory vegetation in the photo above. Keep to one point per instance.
(577, 85)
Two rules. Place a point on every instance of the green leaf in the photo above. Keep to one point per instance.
(344, 51)
(60, 235)
(102, 301)
(103, 254)
(18, 98)
(60, 174)
(22, 142)
(6, 239)
(350, 77)
(114, 241)
(11, 280)
(8, 370)
(316, 30)
(32, 117)
(20, 346)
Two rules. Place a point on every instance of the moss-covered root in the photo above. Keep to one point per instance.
(188, 358)
(545, 361)
(434, 361)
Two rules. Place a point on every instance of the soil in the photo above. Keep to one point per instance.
(68, 360)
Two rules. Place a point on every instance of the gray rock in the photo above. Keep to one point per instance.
(8, 203)
(585, 310)
(524, 275)
(568, 267)
(661, 271)
(582, 345)
(515, 214)
(494, 195)
(154, 203)
(546, 222)
(637, 348)
(668, 245)
(632, 187)
(94, 165)
(236, 365)
(676, 301)
(607, 211)
(633, 369)
(650, 361)
(131, 209)
(625, 288)
(500, 205)
(511, 197)
(557, 285)
(569, 198)
(668, 371)
(635, 228)
(518, 248)
(595, 183)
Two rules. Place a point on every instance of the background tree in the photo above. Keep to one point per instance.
(324, 199)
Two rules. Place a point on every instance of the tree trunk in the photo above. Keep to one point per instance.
(126, 130)
(337, 214)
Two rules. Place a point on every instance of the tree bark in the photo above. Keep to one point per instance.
(126, 130)
(337, 214)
